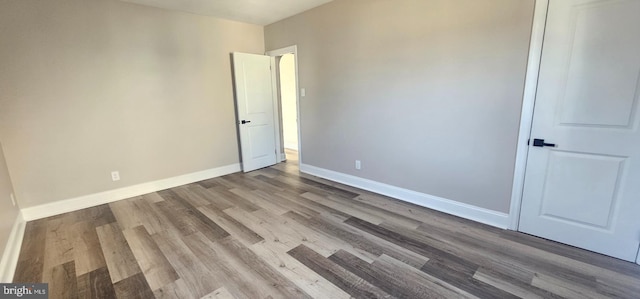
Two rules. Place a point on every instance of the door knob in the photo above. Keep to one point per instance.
(541, 143)
(245, 121)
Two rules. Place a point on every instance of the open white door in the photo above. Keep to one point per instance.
(585, 191)
(254, 103)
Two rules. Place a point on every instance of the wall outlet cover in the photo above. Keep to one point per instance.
(115, 176)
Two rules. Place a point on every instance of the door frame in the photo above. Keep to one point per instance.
(526, 114)
(277, 105)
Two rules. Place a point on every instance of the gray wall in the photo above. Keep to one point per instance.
(87, 87)
(427, 93)
(8, 212)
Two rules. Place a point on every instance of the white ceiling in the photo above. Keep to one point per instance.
(260, 12)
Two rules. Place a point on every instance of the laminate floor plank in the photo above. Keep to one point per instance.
(234, 227)
(98, 215)
(347, 281)
(563, 289)
(223, 182)
(194, 199)
(58, 242)
(221, 293)
(589, 257)
(369, 217)
(236, 200)
(249, 181)
(429, 218)
(32, 245)
(387, 216)
(31, 258)
(459, 272)
(118, 256)
(226, 269)
(306, 279)
(175, 290)
(135, 286)
(279, 233)
(274, 181)
(274, 235)
(87, 249)
(315, 206)
(287, 288)
(201, 222)
(284, 201)
(62, 281)
(360, 241)
(153, 197)
(290, 201)
(389, 277)
(315, 186)
(300, 234)
(534, 259)
(95, 284)
(126, 212)
(154, 265)
(217, 201)
(259, 201)
(196, 277)
(29, 270)
(616, 289)
(511, 285)
(138, 211)
(424, 245)
(178, 218)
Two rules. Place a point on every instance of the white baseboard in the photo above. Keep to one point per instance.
(448, 206)
(91, 200)
(12, 250)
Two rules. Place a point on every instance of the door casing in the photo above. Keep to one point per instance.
(526, 115)
(275, 53)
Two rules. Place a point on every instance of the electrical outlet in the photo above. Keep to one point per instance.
(115, 176)
(358, 165)
(13, 199)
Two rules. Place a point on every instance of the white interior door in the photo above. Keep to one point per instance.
(254, 103)
(586, 191)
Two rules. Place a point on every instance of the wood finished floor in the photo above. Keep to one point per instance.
(275, 233)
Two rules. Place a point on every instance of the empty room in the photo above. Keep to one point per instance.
(319, 149)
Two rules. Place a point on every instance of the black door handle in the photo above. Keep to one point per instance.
(541, 143)
(245, 121)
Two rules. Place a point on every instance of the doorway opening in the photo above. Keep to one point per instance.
(288, 103)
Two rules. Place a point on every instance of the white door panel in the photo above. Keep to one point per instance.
(254, 103)
(586, 191)
(596, 72)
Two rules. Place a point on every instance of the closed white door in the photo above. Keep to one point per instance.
(585, 191)
(254, 104)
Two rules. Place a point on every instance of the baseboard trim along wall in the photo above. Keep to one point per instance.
(486, 216)
(12, 250)
(91, 200)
